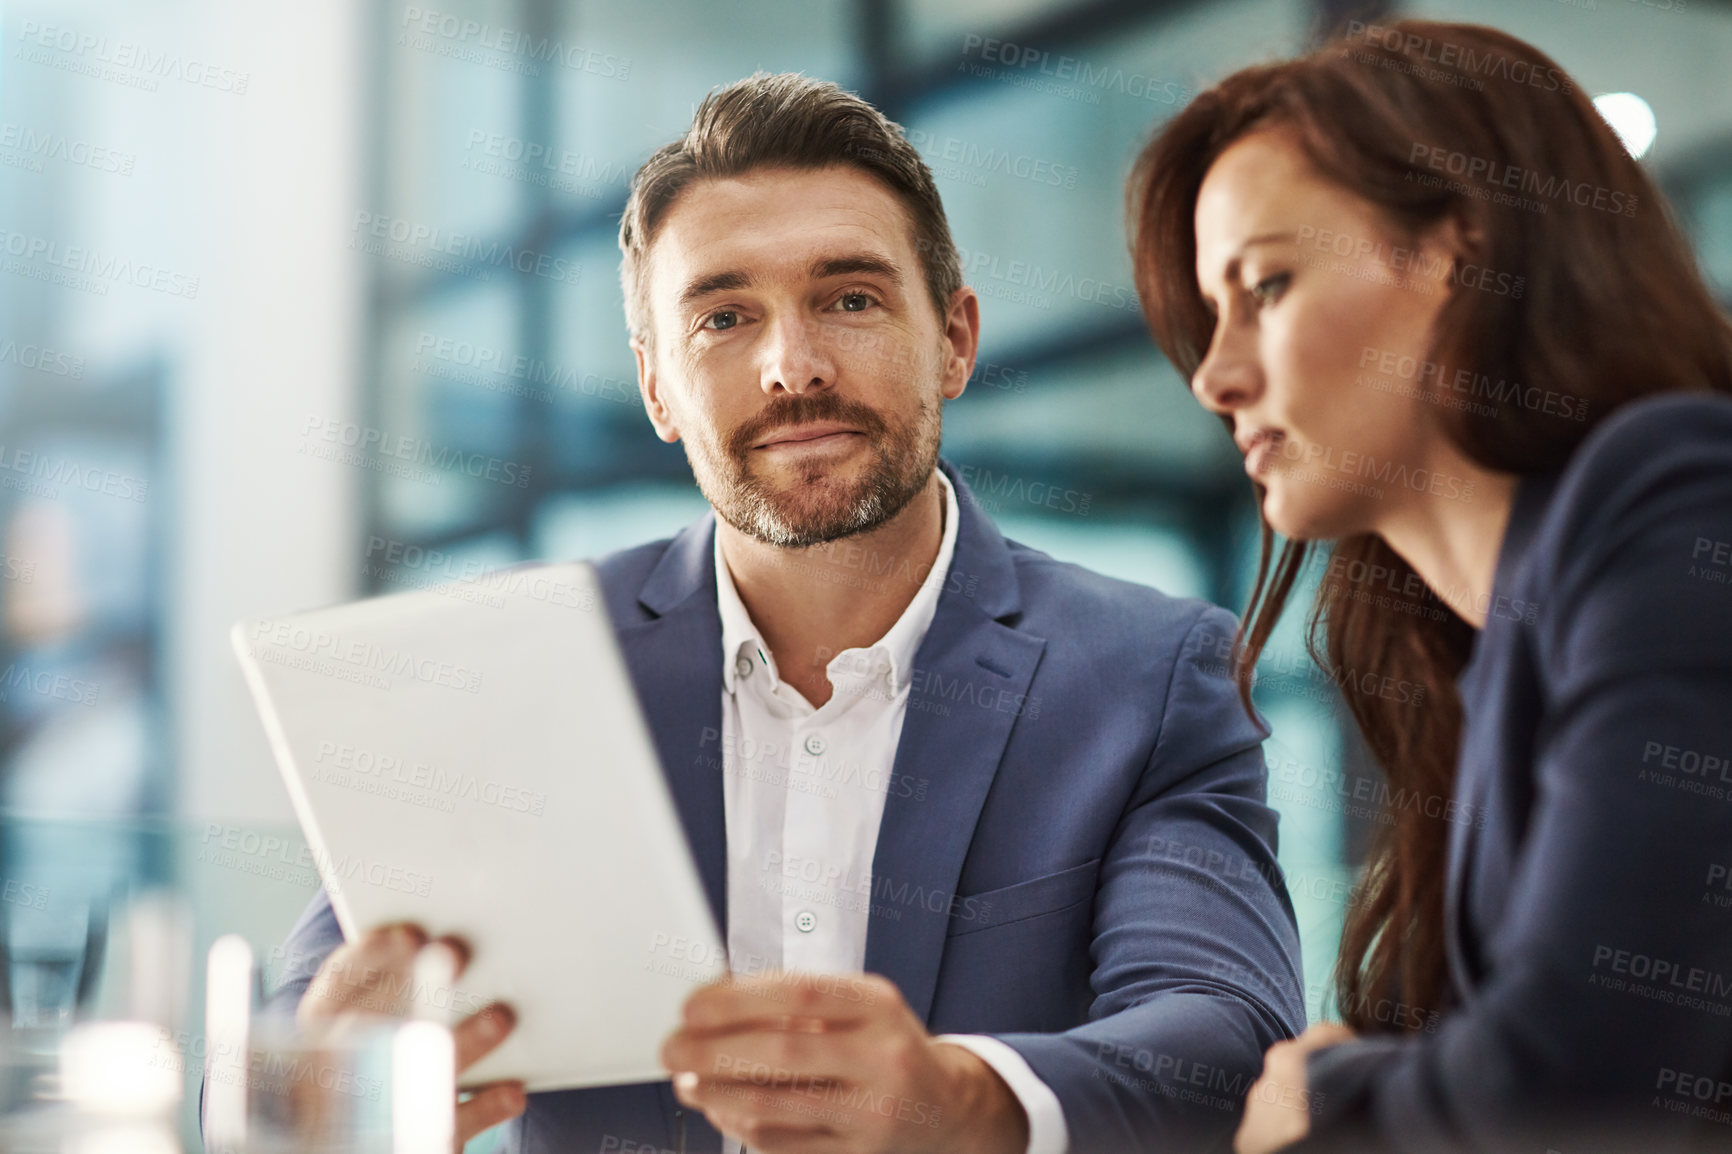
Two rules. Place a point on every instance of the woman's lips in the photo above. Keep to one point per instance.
(1263, 446)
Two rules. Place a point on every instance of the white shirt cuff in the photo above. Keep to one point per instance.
(1047, 1132)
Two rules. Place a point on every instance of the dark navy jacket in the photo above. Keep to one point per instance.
(1589, 919)
(1091, 781)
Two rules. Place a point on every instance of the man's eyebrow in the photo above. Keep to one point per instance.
(714, 283)
(856, 263)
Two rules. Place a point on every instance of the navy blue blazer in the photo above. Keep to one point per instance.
(1589, 919)
(1083, 780)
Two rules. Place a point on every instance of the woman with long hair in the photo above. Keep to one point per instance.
(1472, 365)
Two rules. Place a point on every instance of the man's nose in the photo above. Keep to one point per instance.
(795, 358)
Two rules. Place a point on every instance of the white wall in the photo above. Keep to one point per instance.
(261, 528)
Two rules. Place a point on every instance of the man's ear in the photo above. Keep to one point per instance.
(961, 340)
(649, 387)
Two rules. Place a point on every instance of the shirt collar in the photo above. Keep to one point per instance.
(742, 641)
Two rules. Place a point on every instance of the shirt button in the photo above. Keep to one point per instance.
(743, 667)
(805, 921)
(814, 744)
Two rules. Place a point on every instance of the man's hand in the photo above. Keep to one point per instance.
(1278, 1108)
(821, 1063)
(373, 978)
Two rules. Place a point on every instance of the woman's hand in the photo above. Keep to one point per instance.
(1278, 1108)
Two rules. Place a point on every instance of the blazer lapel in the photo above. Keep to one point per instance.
(971, 676)
(675, 661)
(1463, 970)
(1472, 786)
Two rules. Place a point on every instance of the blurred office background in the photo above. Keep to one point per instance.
(238, 241)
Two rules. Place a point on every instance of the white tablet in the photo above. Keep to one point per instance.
(472, 757)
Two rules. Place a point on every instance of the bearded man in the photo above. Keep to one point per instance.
(1014, 800)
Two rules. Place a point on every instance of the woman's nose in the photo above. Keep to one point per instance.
(1229, 376)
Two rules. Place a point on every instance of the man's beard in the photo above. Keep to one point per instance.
(815, 508)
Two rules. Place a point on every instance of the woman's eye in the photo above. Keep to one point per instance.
(1265, 291)
(722, 319)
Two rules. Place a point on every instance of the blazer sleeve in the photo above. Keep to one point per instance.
(1609, 973)
(1196, 952)
(313, 939)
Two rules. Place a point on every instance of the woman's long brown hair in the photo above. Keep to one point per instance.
(1425, 120)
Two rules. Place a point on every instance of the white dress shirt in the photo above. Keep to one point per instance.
(804, 792)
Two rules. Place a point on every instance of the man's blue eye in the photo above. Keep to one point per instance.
(726, 319)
